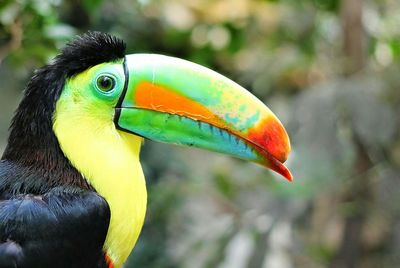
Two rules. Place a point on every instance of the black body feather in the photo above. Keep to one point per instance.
(64, 227)
(49, 215)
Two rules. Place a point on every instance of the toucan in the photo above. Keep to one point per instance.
(72, 190)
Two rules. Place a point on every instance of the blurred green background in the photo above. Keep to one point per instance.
(330, 71)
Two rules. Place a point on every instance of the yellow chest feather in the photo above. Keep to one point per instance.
(109, 160)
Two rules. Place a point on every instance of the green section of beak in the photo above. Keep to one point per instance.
(176, 101)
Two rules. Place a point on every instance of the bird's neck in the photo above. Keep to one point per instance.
(109, 160)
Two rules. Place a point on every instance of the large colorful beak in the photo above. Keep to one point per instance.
(175, 101)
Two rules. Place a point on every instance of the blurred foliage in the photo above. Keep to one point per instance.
(291, 54)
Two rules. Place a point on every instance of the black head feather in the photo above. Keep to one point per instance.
(88, 50)
(32, 144)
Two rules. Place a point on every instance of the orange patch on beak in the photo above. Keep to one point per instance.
(158, 98)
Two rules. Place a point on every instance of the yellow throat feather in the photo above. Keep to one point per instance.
(108, 159)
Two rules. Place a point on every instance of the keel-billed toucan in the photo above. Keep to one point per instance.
(71, 185)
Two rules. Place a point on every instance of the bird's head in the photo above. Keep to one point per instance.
(175, 101)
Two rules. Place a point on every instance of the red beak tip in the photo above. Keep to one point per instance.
(284, 171)
(289, 176)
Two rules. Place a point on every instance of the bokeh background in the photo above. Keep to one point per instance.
(329, 69)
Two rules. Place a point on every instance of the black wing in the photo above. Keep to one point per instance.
(61, 228)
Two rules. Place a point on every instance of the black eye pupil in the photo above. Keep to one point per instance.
(105, 83)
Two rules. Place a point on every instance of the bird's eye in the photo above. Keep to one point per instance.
(105, 83)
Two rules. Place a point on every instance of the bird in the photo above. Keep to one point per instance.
(72, 190)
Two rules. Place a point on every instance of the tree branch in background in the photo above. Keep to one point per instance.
(357, 193)
(353, 36)
(15, 42)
